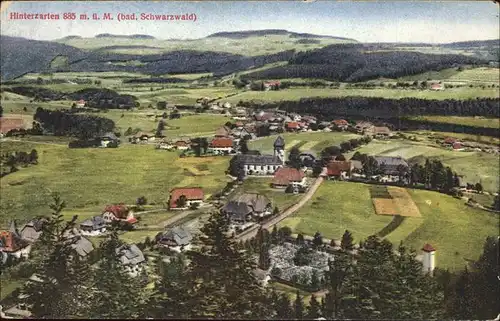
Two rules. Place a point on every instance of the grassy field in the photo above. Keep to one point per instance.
(315, 141)
(469, 121)
(298, 93)
(457, 231)
(481, 75)
(465, 137)
(262, 186)
(89, 179)
(291, 292)
(188, 125)
(474, 166)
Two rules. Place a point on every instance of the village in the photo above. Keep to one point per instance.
(298, 172)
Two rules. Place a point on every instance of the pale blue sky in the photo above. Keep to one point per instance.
(382, 21)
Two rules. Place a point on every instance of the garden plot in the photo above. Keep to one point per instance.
(391, 200)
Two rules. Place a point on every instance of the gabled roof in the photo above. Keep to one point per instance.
(179, 235)
(143, 134)
(279, 142)
(223, 131)
(335, 168)
(94, 222)
(248, 159)
(450, 140)
(428, 248)
(381, 130)
(110, 136)
(287, 175)
(221, 143)
(118, 210)
(191, 193)
(32, 230)
(293, 125)
(256, 201)
(238, 210)
(130, 254)
(340, 122)
(391, 160)
(81, 245)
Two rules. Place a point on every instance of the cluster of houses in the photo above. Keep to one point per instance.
(458, 145)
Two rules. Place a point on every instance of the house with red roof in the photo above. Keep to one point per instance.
(118, 212)
(268, 85)
(286, 176)
(340, 124)
(12, 243)
(80, 104)
(185, 197)
(450, 141)
(339, 169)
(292, 126)
(437, 87)
(457, 146)
(8, 124)
(222, 145)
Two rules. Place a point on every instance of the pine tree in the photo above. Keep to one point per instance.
(314, 308)
(264, 257)
(346, 243)
(113, 285)
(220, 278)
(300, 239)
(317, 240)
(299, 306)
(315, 282)
(53, 296)
(274, 235)
(284, 310)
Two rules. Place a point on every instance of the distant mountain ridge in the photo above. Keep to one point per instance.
(136, 36)
(271, 32)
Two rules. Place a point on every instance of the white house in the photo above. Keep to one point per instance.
(223, 145)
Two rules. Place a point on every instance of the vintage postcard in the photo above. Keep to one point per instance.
(259, 160)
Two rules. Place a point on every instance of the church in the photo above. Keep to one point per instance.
(261, 164)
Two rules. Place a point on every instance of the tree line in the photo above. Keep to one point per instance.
(13, 160)
(350, 63)
(65, 123)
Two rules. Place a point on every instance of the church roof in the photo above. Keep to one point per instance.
(279, 142)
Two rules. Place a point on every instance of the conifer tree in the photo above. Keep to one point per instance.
(346, 243)
(284, 310)
(314, 308)
(221, 283)
(299, 306)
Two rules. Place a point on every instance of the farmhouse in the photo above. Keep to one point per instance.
(118, 212)
(108, 140)
(165, 144)
(340, 124)
(142, 137)
(183, 198)
(177, 239)
(81, 245)
(286, 176)
(183, 144)
(271, 85)
(391, 166)
(437, 87)
(449, 141)
(363, 126)
(223, 131)
(11, 243)
(80, 103)
(93, 226)
(8, 124)
(457, 146)
(132, 258)
(258, 164)
(339, 169)
(32, 230)
(263, 116)
(222, 145)
(244, 207)
(292, 126)
(380, 132)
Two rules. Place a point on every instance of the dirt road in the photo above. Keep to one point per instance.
(307, 196)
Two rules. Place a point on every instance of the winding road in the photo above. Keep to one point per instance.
(307, 196)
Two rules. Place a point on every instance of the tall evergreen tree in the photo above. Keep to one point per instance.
(299, 306)
(221, 281)
(347, 242)
(314, 308)
(284, 310)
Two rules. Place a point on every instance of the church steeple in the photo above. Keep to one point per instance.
(279, 148)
